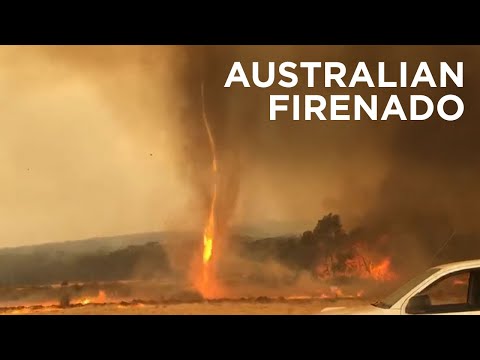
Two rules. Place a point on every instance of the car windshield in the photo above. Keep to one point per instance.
(390, 300)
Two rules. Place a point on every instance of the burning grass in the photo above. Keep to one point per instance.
(247, 306)
(172, 298)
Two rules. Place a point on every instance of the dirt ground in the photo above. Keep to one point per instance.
(201, 308)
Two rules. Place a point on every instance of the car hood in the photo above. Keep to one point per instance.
(356, 310)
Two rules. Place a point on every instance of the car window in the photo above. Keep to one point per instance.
(451, 290)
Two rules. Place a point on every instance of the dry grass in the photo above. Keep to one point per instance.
(216, 308)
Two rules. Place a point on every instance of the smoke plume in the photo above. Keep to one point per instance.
(108, 140)
(415, 181)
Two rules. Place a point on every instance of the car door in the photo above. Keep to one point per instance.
(455, 293)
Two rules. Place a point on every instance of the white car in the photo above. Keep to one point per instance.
(445, 289)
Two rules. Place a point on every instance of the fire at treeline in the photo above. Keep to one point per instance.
(151, 267)
(327, 250)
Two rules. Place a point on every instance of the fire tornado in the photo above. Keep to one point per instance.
(209, 231)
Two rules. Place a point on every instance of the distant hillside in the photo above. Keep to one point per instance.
(136, 256)
(144, 261)
(98, 244)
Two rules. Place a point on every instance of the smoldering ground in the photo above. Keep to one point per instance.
(108, 140)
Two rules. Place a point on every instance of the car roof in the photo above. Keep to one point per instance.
(459, 265)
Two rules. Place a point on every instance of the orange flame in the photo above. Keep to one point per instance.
(101, 298)
(365, 264)
(364, 268)
(209, 232)
(381, 271)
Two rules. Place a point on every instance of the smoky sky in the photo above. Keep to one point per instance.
(86, 143)
(109, 140)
